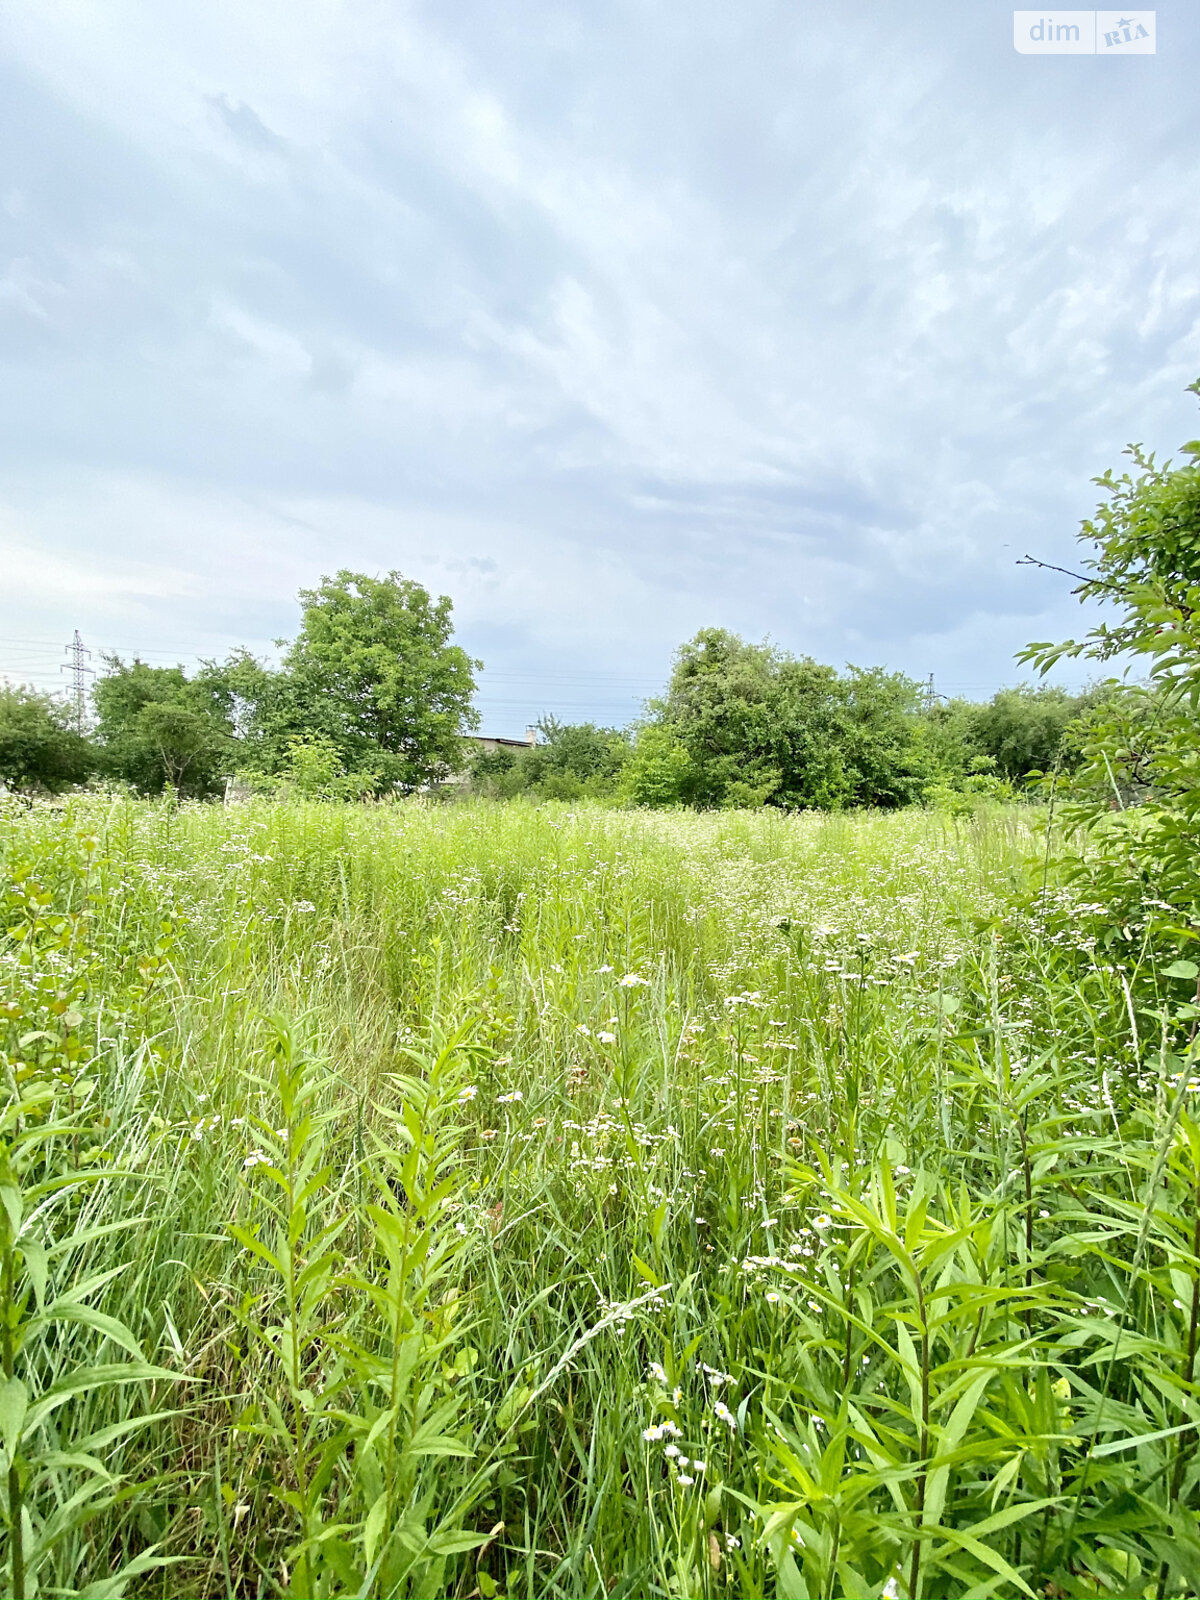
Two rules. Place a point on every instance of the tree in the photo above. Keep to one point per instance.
(881, 750)
(157, 728)
(946, 734)
(761, 726)
(372, 672)
(721, 707)
(1025, 730)
(38, 747)
(1141, 743)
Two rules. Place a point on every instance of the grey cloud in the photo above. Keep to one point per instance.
(245, 124)
(784, 319)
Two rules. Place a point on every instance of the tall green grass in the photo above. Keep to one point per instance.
(495, 1201)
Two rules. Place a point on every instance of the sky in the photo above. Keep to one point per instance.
(610, 319)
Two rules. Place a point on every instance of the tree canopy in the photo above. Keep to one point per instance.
(158, 728)
(39, 749)
(759, 725)
(372, 672)
(371, 696)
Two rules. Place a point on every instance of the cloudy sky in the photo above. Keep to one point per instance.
(611, 319)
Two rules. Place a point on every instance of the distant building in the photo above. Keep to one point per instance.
(488, 744)
(485, 741)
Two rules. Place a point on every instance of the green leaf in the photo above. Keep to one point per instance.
(14, 1206)
(89, 1317)
(1181, 969)
(952, 1434)
(439, 1445)
(456, 1541)
(84, 1379)
(373, 1528)
(252, 1242)
(789, 1585)
(989, 1557)
(1113, 1447)
(37, 1267)
(648, 1273)
(14, 1403)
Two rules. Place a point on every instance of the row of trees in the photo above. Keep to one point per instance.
(747, 725)
(373, 697)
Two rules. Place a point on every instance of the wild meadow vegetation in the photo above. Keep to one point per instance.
(495, 1200)
(752, 1181)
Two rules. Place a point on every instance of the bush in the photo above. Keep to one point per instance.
(39, 749)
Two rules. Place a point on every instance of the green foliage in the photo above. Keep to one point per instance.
(360, 1412)
(61, 1356)
(39, 749)
(312, 768)
(1138, 789)
(659, 770)
(759, 726)
(372, 673)
(880, 747)
(156, 728)
(727, 1204)
(571, 761)
(1027, 730)
(371, 697)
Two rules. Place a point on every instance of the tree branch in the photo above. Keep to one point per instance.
(1046, 566)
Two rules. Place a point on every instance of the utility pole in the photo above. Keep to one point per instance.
(79, 670)
(930, 694)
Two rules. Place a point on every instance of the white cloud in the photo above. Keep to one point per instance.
(610, 323)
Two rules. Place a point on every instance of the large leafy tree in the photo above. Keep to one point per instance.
(723, 706)
(374, 673)
(1138, 787)
(758, 725)
(39, 749)
(157, 728)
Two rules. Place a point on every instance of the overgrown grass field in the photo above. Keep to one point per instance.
(483, 1200)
